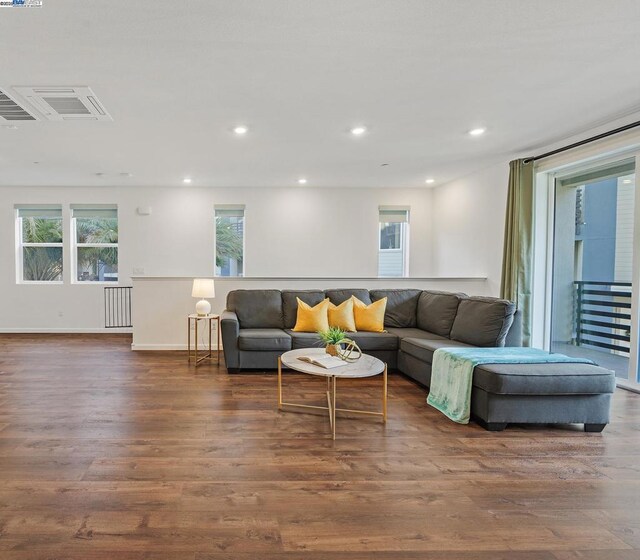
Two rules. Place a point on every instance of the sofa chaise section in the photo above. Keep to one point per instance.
(542, 394)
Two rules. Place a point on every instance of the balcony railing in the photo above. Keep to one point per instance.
(603, 315)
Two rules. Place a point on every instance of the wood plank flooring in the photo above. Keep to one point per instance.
(110, 454)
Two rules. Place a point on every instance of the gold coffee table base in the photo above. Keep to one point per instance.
(331, 400)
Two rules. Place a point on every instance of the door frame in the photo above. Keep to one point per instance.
(546, 176)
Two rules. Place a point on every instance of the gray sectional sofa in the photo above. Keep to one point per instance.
(257, 328)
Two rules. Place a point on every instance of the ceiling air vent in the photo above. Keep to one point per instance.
(11, 111)
(76, 103)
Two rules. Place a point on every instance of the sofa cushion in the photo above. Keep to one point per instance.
(401, 306)
(290, 304)
(374, 341)
(264, 340)
(338, 296)
(544, 379)
(415, 333)
(436, 311)
(423, 349)
(257, 309)
(304, 340)
(483, 321)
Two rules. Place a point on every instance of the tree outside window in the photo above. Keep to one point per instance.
(229, 241)
(96, 239)
(40, 244)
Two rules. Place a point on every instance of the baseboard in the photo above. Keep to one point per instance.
(167, 347)
(39, 330)
(627, 385)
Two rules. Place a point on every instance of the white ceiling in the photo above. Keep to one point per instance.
(178, 75)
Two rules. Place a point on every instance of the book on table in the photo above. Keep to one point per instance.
(326, 362)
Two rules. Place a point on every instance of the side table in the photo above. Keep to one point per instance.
(195, 319)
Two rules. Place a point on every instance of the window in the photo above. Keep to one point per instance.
(39, 234)
(229, 240)
(95, 235)
(393, 241)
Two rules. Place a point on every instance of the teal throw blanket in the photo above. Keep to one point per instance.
(452, 374)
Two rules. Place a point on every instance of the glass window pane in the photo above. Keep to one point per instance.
(41, 230)
(97, 264)
(42, 264)
(592, 270)
(229, 245)
(390, 235)
(97, 230)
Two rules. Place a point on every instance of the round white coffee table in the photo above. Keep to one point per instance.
(366, 366)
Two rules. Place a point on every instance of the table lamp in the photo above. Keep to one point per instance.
(203, 288)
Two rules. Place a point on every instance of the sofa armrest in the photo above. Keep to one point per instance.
(230, 327)
(514, 336)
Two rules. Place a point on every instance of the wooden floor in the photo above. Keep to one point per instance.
(110, 454)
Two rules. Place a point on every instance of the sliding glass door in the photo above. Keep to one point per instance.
(593, 288)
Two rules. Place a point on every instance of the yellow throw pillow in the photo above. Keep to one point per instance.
(341, 316)
(369, 317)
(312, 319)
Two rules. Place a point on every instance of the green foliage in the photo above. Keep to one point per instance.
(97, 230)
(42, 230)
(42, 264)
(335, 335)
(228, 241)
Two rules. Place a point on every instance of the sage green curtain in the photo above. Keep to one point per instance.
(517, 260)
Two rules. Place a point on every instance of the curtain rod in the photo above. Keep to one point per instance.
(585, 141)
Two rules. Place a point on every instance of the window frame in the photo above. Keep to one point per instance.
(21, 245)
(404, 237)
(75, 245)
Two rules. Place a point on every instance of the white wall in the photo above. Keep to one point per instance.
(290, 232)
(468, 225)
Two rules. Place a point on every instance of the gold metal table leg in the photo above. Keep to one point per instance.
(332, 400)
(279, 383)
(219, 337)
(330, 406)
(384, 394)
(210, 355)
(189, 339)
(333, 408)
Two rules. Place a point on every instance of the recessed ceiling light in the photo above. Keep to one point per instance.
(126, 174)
(241, 129)
(429, 181)
(302, 181)
(627, 181)
(477, 131)
(186, 180)
(358, 130)
(11, 127)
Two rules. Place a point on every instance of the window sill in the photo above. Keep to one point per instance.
(39, 283)
(96, 283)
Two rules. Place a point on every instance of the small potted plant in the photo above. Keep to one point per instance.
(333, 340)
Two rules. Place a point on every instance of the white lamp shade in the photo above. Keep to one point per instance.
(203, 288)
